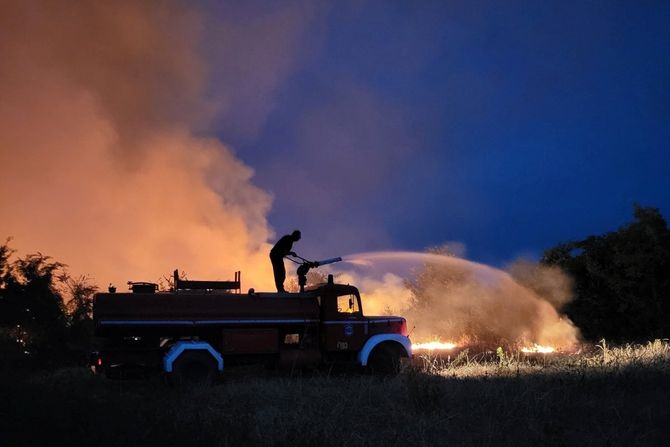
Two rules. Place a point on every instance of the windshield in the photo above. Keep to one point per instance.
(348, 304)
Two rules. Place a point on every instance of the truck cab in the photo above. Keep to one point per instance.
(345, 330)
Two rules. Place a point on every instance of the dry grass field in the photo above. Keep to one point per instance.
(601, 396)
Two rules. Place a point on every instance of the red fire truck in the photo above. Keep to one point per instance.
(200, 328)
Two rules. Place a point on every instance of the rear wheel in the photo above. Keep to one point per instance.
(194, 368)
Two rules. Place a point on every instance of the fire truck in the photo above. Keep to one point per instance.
(199, 329)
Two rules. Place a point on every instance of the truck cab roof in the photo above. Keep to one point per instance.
(336, 289)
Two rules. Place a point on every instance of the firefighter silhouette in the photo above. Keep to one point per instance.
(282, 248)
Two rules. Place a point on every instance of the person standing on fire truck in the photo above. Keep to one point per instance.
(282, 248)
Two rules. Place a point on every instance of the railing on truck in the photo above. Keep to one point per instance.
(183, 284)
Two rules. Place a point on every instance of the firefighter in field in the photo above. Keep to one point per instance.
(282, 248)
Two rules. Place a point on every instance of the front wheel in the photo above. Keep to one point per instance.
(384, 360)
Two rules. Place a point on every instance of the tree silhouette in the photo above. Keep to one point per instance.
(36, 326)
(79, 309)
(622, 279)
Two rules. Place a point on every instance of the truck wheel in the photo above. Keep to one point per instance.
(384, 360)
(194, 368)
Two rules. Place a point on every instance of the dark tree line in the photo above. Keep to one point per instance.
(621, 279)
(45, 315)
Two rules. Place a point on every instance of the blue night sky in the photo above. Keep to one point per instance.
(404, 125)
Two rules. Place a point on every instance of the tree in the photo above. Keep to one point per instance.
(8, 310)
(622, 279)
(79, 308)
(34, 322)
(40, 303)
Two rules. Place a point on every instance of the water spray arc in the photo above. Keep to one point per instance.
(453, 301)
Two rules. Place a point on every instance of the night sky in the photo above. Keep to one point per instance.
(405, 125)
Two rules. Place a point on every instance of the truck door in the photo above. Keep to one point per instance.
(344, 328)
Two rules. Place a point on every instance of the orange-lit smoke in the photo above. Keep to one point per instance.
(456, 304)
(453, 300)
(100, 164)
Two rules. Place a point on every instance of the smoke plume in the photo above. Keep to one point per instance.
(102, 166)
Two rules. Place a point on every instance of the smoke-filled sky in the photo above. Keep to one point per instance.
(136, 137)
(507, 127)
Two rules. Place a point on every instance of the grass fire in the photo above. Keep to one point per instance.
(433, 346)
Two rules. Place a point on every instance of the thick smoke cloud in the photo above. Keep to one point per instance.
(340, 153)
(252, 48)
(101, 165)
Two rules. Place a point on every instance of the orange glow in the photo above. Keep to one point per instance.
(433, 346)
(116, 160)
(535, 348)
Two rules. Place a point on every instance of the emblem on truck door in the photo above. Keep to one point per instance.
(349, 330)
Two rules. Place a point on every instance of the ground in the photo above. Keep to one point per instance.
(601, 396)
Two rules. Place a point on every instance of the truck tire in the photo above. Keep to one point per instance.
(384, 360)
(194, 367)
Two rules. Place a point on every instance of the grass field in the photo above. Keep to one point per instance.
(602, 397)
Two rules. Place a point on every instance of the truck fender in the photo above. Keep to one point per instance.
(373, 341)
(178, 348)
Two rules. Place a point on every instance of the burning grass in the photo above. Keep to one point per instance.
(600, 359)
(600, 395)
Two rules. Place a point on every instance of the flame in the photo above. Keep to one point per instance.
(535, 348)
(433, 346)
